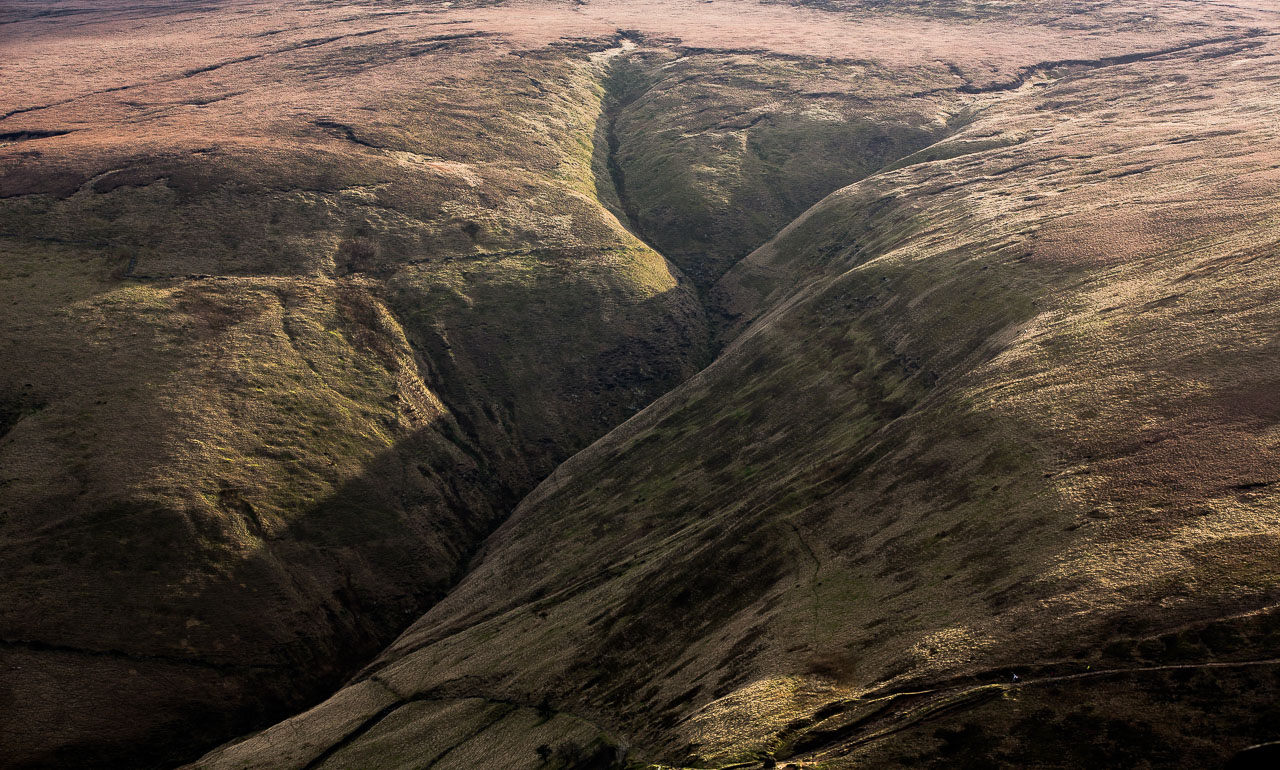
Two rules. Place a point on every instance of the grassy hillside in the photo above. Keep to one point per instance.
(279, 386)
(1006, 409)
(265, 395)
(301, 302)
(715, 153)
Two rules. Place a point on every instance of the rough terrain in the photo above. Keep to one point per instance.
(843, 384)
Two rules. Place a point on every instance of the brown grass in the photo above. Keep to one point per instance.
(301, 300)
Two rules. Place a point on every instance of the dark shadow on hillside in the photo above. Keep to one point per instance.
(283, 629)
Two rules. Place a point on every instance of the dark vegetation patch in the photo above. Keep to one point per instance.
(757, 170)
(1122, 722)
(17, 404)
(347, 132)
(727, 575)
(31, 134)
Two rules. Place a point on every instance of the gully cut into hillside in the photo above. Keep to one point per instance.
(639, 384)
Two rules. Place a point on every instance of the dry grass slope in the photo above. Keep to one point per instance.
(936, 452)
(302, 301)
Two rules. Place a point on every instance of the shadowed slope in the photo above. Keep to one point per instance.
(264, 396)
(716, 153)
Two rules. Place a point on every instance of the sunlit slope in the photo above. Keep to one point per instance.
(294, 330)
(298, 301)
(1007, 409)
(265, 392)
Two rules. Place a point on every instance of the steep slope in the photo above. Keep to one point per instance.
(715, 153)
(279, 368)
(300, 300)
(265, 393)
(1008, 408)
